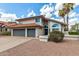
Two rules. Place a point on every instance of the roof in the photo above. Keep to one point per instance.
(2, 23)
(58, 22)
(25, 25)
(41, 16)
(22, 19)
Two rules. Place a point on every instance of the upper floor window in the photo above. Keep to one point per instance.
(46, 26)
(37, 20)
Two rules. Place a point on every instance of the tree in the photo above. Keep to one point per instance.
(75, 27)
(62, 14)
(67, 7)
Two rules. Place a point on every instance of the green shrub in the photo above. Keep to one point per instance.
(56, 36)
(5, 33)
(73, 33)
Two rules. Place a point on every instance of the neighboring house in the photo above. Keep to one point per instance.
(4, 26)
(75, 28)
(36, 26)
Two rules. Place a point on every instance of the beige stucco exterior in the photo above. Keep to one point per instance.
(42, 23)
(39, 32)
(50, 23)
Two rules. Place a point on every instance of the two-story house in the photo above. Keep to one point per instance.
(36, 26)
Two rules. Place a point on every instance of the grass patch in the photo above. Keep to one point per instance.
(73, 33)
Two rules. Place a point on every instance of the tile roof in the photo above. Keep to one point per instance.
(2, 23)
(22, 19)
(25, 25)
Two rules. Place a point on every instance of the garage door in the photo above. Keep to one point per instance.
(30, 32)
(18, 32)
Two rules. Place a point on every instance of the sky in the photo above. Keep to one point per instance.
(50, 10)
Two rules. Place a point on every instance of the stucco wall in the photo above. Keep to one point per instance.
(31, 21)
(39, 23)
(11, 32)
(25, 32)
(39, 32)
(27, 22)
(50, 23)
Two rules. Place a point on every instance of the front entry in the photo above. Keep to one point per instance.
(46, 31)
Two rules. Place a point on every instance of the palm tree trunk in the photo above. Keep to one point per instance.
(67, 22)
(64, 19)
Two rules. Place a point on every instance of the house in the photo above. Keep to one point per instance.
(4, 26)
(35, 26)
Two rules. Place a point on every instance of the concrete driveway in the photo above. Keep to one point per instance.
(7, 42)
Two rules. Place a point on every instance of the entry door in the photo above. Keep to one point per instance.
(46, 31)
(30, 32)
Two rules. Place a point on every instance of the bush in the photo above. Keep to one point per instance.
(56, 36)
(73, 33)
(5, 33)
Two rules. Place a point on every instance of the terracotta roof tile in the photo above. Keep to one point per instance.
(6, 23)
(25, 25)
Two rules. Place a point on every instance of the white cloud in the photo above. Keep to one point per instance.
(47, 10)
(7, 16)
(76, 4)
(32, 13)
(72, 14)
(73, 21)
(58, 6)
(56, 13)
(48, 15)
(22, 16)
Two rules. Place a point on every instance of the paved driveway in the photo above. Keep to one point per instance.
(38, 48)
(7, 42)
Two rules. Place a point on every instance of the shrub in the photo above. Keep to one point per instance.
(56, 36)
(5, 33)
(73, 33)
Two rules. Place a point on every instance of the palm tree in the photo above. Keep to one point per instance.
(67, 7)
(62, 14)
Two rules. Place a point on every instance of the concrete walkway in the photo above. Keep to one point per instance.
(7, 42)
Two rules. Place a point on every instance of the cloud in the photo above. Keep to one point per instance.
(22, 16)
(72, 14)
(7, 16)
(32, 13)
(56, 13)
(73, 21)
(76, 4)
(58, 6)
(47, 10)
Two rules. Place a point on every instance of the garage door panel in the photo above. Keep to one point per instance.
(18, 32)
(31, 32)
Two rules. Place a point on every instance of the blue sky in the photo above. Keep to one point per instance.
(22, 10)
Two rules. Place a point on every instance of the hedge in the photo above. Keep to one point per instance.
(56, 36)
(5, 33)
(73, 33)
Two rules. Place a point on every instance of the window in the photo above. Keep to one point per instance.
(37, 20)
(46, 26)
(55, 27)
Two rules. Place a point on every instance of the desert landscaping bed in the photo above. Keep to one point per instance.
(38, 48)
